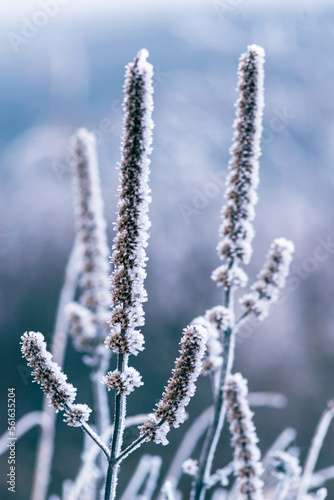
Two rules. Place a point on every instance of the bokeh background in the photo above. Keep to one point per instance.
(65, 70)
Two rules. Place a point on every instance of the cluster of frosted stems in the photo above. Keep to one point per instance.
(236, 230)
(247, 463)
(89, 314)
(53, 381)
(271, 279)
(180, 387)
(129, 257)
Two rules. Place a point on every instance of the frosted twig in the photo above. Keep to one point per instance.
(314, 449)
(92, 454)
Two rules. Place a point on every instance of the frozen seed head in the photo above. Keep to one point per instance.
(46, 372)
(90, 223)
(236, 229)
(123, 382)
(271, 279)
(82, 325)
(181, 386)
(190, 467)
(130, 341)
(76, 414)
(129, 256)
(248, 468)
(221, 317)
(227, 277)
(212, 359)
(154, 430)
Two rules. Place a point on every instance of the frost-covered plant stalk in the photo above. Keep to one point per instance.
(180, 388)
(236, 232)
(129, 257)
(247, 465)
(88, 315)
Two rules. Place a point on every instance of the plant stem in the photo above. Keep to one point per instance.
(314, 450)
(117, 439)
(95, 438)
(214, 432)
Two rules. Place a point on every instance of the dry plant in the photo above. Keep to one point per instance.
(207, 344)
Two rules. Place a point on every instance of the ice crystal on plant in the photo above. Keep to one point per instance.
(123, 382)
(270, 280)
(76, 414)
(247, 463)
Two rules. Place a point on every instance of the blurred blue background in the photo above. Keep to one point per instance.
(64, 68)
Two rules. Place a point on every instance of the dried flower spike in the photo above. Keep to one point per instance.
(88, 317)
(129, 257)
(236, 229)
(180, 388)
(247, 463)
(271, 279)
(90, 224)
(53, 381)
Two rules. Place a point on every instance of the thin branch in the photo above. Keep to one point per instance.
(314, 450)
(96, 438)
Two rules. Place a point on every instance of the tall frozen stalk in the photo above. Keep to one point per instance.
(88, 315)
(236, 231)
(129, 257)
